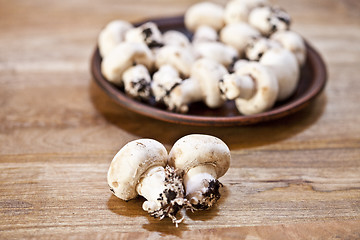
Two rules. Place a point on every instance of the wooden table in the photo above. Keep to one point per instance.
(294, 178)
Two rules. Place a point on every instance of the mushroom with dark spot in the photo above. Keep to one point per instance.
(246, 85)
(140, 169)
(202, 160)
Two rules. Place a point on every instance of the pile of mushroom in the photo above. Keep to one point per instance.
(243, 52)
(186, 178)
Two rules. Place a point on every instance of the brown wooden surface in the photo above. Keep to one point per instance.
(294, 178)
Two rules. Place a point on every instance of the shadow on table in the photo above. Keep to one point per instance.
(125, 208)
(207, 215)
(237, 137)
(133, 208)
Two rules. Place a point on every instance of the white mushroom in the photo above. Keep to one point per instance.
(258, 46)
(256, 87)
(164, 80)
(281, 61)
(293, 42)
(204, 13)
(137, 82)
(286, 69)
(238, 10)
(176, 38)
(147, 33)
(235, 86)
(202, 159)
(221, 53)
(269, 20)
(180, 58)
(188, 91)
(139, 168)
(112, 35)
(202, 86)
(208, 72)
(205, 34)
(239, 64)
(238, 35)
(123, 56)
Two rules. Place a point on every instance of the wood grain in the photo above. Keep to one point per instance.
(293, 178)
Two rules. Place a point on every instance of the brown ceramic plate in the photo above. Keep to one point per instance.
(312, 82)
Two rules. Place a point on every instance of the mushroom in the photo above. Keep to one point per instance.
(293, 42)
(202, 159)
(204, 13)
(269, 19)
(176, 38)
(202, 86)
(221, 53)
(137, 82)
(180, 58)
(205, 34)
(238, 10)
(123, 56)
(208, 72)
(238, 35)
(139, 168)
(253, 87)
(285, 67)
(239, 64)
(164, 80)
(281, 61)
(112, 35)
(235, 86)
(182, 94)
(258, 46)
(147, 33)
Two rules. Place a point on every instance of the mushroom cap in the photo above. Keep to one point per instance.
(148, 33)
(205, 34)
(269, 19)
(266, 89)
(293, 42)
(209, 72)
(258, 46)
(199, 149)
(129, 164)
(180, 58)
(221, 53)
(285, 67)
(173, 37)
(238, 35)
(238, 10)
(122, 57)
(111, 35)
(239, 64)
(204, 13)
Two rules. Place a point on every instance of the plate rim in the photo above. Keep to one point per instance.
(319, 83)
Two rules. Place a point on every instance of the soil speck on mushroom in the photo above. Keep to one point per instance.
(148, 176)
(203, 160)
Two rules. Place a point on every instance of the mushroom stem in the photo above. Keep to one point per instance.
(201, 159)
(188, 91)
(164, 192)
(202, 187)
(235, 86)
(151, 186)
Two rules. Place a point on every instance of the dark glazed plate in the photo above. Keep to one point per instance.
(312, 82)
